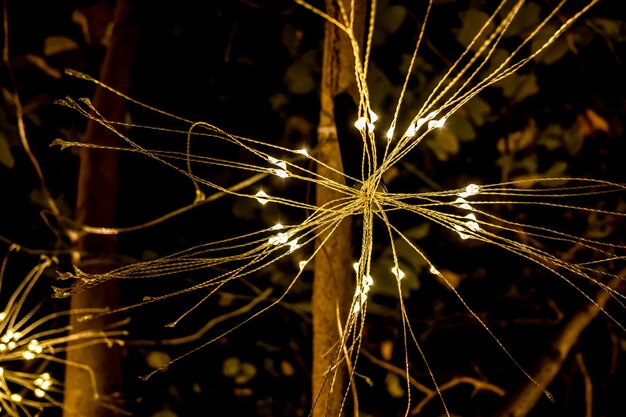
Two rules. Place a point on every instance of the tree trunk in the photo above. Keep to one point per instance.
(333, 284)
(96, 206)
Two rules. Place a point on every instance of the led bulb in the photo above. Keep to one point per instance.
(373, 116)
(390, 132)
(262, 197)
(463, 203)
(472, 224)
(471, 189)
(277, 226)
(302, 264)
(281, 173)
(411, 131)
(302, 152)
(432, 124)
(360, 123)
(368, 281)
(398, 272)
(279, 239)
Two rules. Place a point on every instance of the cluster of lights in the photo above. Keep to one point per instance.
(414, 127)
(362, 122)
(280, 239)
(34, 348)
(9, 340)
(471, 223)
(281, 171)
(360, 294)
(43, 383)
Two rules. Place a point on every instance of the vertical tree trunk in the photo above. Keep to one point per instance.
(96, 206)
(333, 284)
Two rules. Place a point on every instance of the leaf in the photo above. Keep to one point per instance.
(449, 278)
(478, 109)
(518, 87)
(394, 385)
(473, 20)
(6, 157)
(41, 63)
(164, 413)
(231, 366)
(386, 349)
(445, 144)
(556, 170)
(573, 140)
(518, 140)
(591, 122)
(418, 232)
(56, 44)
(247, 371)
(157, 359)
(551, 137)
(553, 52)
(392, 18)
(461, 127)
(610, 27)
(298, 78)
(497, 58)
(525, 21)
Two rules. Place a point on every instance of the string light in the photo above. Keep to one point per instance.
(262, 197)
(398, 272)
(470, 190)
(358, 201)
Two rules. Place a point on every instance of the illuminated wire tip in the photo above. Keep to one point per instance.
(373, 116)
(463, 203)
(279, 239)
(411, 131)
(281, 173)
(398, 272)
(362, 123)
(293, 245)
(262, 197)
(303, 152)
(435, 124)
(471, 224)
(471, 189)
(277, 162)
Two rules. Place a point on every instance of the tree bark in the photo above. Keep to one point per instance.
(333, 284)
(96, 206)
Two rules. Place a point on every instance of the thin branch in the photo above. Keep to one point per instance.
(551, 362)
(429, 393)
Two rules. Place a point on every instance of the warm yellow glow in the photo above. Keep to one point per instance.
(262, 197)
